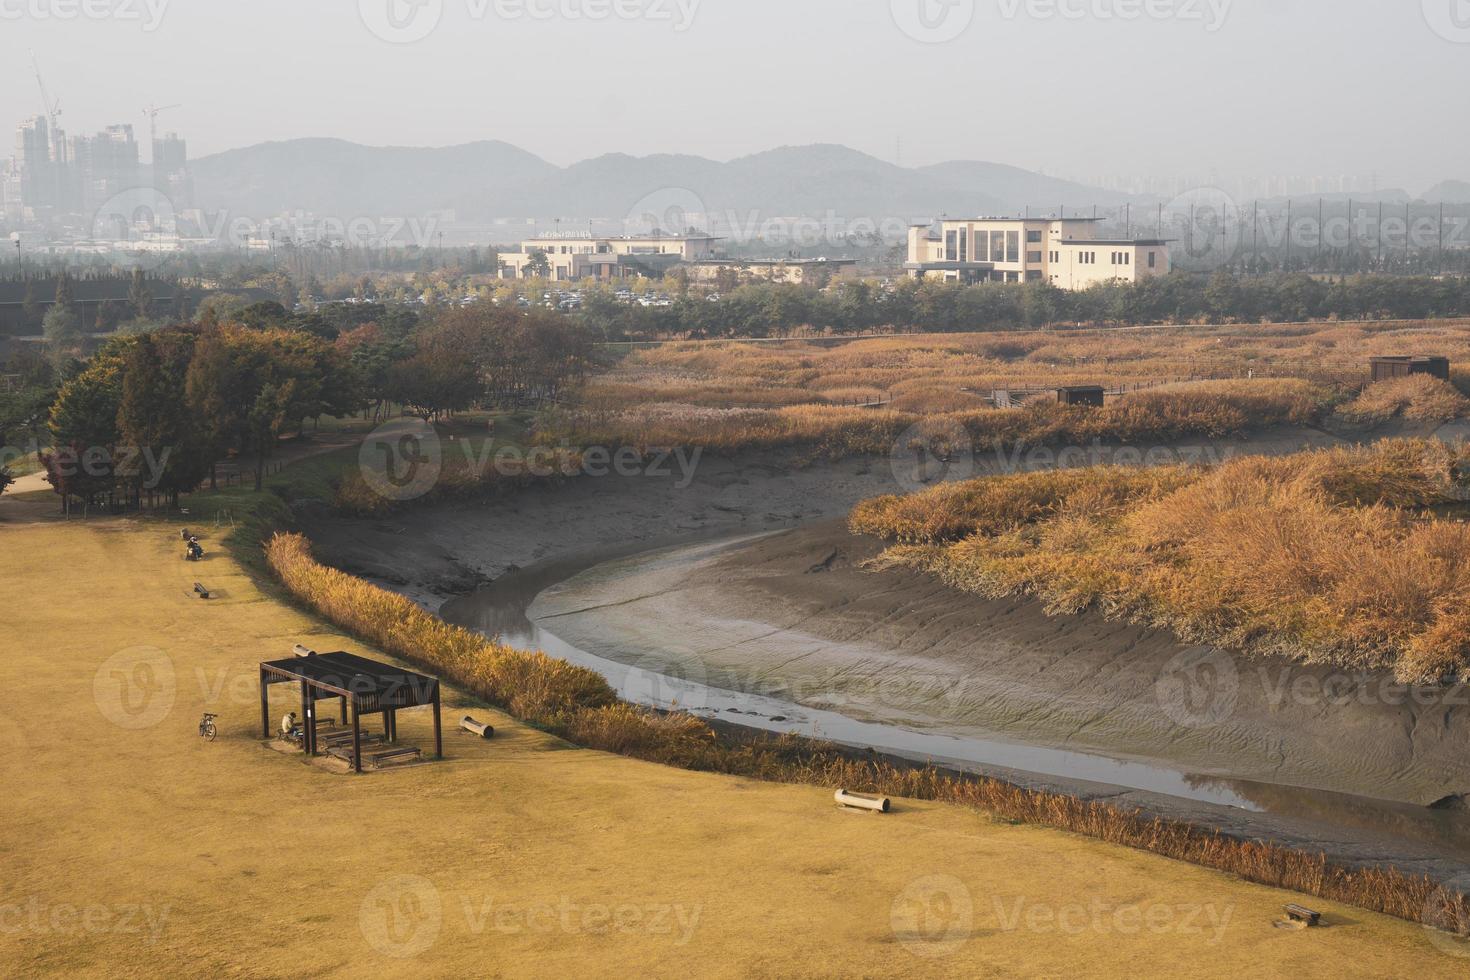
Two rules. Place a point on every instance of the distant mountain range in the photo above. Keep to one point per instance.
(489, 181)
(493, 182)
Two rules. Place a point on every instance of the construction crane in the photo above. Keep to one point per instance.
(152, 112)
(52, 106)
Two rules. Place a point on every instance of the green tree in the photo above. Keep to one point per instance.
(63, 331)
(30, 308)
(164, 450)
(140, 295)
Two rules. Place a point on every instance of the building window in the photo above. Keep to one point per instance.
(964, 246)
(1127, 258)
(997, 246)
(1151, 259)
(1034, 257)
(982, 245)
(1033, 238)
(1013, 276)
(1033, 274)
(949, 246)
(1013, 246)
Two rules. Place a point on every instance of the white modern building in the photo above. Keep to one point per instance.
(568, 258)
(1063, 251)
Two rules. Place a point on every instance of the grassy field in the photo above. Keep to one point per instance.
(133, 848)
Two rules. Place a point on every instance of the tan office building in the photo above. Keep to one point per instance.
(1065, 252)
(573, 257)
(799, 272)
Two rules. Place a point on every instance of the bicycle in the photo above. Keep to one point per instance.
(207, 729)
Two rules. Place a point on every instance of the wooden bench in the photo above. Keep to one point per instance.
(203, 592)
(1300, 913)
(343, 736)
(377, 757)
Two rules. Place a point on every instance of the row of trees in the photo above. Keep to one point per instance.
(153, 412)
(914, 306)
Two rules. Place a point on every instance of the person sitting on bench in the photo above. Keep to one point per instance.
(288, 725)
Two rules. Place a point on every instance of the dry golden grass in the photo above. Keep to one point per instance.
(752, 375)
(1324, 556)
(1419, 398)
(732, 396)
(572, 703)
(254, 864)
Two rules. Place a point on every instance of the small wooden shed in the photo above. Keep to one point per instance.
(1387, 368)
(1091, 396)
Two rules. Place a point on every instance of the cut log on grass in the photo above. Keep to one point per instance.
(862, 801)
(477, 728)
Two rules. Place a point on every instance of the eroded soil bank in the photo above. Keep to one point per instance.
(792, 614)
(442, 550)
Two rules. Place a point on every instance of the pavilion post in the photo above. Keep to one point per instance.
(265, 706)
(438, 730)
(308, 744)
(343, 700)
(356, 740)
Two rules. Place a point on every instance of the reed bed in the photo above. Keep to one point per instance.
(784, 389)
(1419, 398)
(578, 705)
(1342, 556)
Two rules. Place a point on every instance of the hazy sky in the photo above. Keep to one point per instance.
(1166, 87)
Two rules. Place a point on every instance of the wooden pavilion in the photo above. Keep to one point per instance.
(366, 687)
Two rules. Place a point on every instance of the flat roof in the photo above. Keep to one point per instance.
(584, 237)
(1116, 241)
(926, 224)
(357, 677)
(773, 262)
